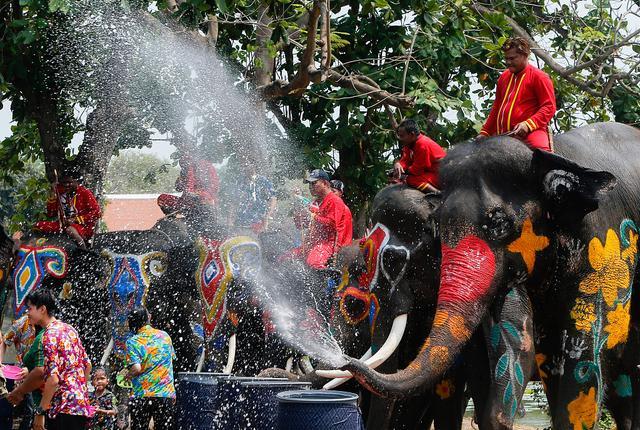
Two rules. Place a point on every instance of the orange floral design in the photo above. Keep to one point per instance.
(439, 358)
(584, 314)
(583, 410)
(445, 388)
(618, 327)
(611, 271)
(629, 254)
(458, 328)
(528, 244)
(440, 318)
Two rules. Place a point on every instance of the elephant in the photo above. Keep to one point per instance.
(563, 229)
(52, 261)
(394, 275)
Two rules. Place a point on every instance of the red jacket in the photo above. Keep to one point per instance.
(201, 178)
(525, 97)
(330, 229)
(84, 204)
(420, 161)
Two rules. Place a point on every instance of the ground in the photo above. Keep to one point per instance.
(467, 425)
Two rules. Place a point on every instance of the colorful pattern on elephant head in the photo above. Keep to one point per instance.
(218, 264)
(445, 389)
(33, 264)
(128, 285)
(467, 271)
(370, 247)
(528, 245)
(583, 410)
(368, 306)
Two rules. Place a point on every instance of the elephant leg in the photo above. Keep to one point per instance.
(508, 332)
(477, 374)
(449, 400)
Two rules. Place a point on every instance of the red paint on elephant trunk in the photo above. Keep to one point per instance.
(467, 271)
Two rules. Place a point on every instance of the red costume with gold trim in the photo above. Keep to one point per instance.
(81, 210)
(525, 97)
(420, 161)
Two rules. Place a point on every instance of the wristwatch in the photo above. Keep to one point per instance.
(39, 411)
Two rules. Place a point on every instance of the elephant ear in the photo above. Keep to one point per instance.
(569, 190)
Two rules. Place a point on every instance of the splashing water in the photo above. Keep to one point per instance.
(302, 325)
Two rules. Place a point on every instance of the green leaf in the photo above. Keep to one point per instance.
(59, 6)
(222, 6)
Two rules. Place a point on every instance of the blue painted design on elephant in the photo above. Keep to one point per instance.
(33, 264)
(128, 287)
(623, 386)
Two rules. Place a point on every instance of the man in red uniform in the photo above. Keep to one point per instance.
(345, 236)
(327, 231)
(75, 207)
(525, 100)
(198, 182)
(420, 158)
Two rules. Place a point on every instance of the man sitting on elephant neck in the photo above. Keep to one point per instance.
(327, 231)
(198, 182)
(525, 100)
(75, 207)
(420, 158)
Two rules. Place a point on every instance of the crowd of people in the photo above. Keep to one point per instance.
(54, 367)
(53, 392)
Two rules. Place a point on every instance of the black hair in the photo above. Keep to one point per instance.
(98, 369)
(410, 126)
(43, 297)
(138, 318)
(71, 173)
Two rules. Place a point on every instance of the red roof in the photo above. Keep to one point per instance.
(131, 211)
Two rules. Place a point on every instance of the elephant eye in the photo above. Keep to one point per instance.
(497, 224)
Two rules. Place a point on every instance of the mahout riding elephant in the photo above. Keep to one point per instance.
(395, 277)
(561, 227)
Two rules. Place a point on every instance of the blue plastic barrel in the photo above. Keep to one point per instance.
(252, 403)
(319, 410)
(196, 398)
(212, 401)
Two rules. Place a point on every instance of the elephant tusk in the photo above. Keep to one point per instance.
(289, 364)
(232, 355)
(201, 361)
(388, 348)
(305, 364)
(107, 352)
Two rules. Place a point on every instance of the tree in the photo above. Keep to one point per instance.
(133, 173)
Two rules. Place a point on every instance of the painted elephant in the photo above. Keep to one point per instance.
(55, 262)
(395, 278)
(188, 278)
(563, 229)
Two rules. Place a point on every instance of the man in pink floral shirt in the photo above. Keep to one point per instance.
(65, 399)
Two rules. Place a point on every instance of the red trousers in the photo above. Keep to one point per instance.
(538, 139)
(54, 227)
(317, 257)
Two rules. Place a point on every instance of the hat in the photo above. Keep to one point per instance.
(316, 174)
(337, 184)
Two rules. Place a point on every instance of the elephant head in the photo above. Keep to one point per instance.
(499, 206)
(134, 264)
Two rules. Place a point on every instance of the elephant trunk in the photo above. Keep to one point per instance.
(466, 280)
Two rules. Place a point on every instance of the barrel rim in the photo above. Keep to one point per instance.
(304, 396)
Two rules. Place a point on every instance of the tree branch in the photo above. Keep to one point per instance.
(543, 54)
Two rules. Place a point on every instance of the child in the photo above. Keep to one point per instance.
(103, 400)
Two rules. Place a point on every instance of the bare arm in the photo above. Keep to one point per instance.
(134, 371)
(50, 387)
